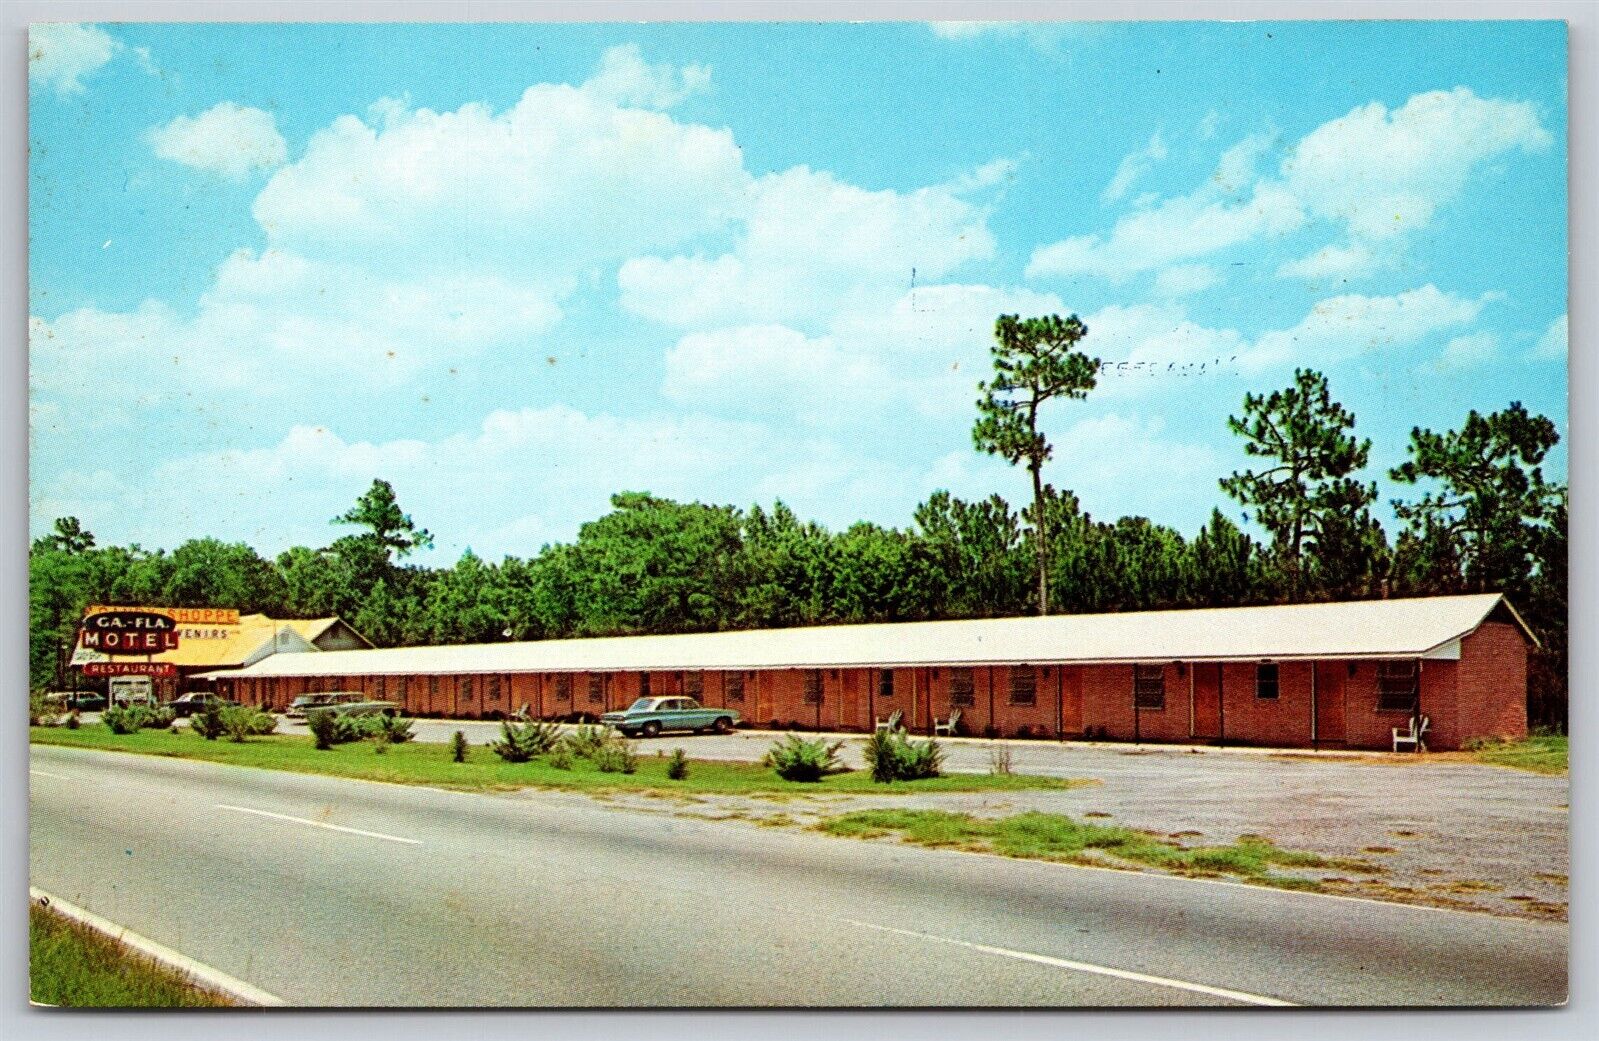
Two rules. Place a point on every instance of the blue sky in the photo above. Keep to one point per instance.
(513, 269)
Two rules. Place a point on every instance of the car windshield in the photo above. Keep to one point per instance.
(642, 705)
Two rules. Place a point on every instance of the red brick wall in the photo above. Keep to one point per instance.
(1253, 720)
(1493, 682)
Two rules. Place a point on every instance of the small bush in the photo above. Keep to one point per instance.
(1024, 732)
(207, 721)
(616, 758)
(380, 742)
(677, 766)
(329, 728)
(73, 721)
(458, 747)
(395, 730)
(587, 741)
(41, 712)
(135, 718)
(999, 760)
(796, 759)
(893, 756)
(560, 757)
(240, 722)
(520, 743)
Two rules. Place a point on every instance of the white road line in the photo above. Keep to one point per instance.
(205, 975)
(319, 824)
(47, 773)
(1079, 966)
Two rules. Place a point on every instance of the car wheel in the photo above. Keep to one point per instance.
(651, 729)
(723, 725)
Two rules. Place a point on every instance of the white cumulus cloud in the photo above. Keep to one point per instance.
(625, 78)
(228, 139)
(1376, 174)
(1133, 166)
(61, 54)
(1554, 343)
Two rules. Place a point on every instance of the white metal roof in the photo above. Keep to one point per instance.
(1366, 629)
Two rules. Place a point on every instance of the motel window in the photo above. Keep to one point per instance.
(1023, 685)
(563, 687)
(643, 686)
(885, 683)
(399, 689)
(962, 690)
(463, 688)
(1398, 683)
(813, 686)
(380, 688)
(1266, 681)
(494, 688)
(1149, 686)
(694, 684)
(433, 688)
(597, 687)
(734, 688)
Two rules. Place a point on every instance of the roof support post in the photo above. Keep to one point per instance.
(1313, 735)
(1191, 666)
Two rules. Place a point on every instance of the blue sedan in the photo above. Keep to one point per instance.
(651, 716)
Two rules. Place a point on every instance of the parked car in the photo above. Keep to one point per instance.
(190, 703)
(307, 703)
(651, 716)
(85, 702)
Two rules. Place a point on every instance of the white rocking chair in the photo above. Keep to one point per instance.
(892, 723)
(1414, 735)
(947, 727)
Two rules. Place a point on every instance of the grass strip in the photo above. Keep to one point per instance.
(73, 966)
(431, 764)
(1054, 836)
(1542, 754)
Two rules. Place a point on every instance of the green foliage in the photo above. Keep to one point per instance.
(134, 718)
(329, 728)
(587, 741)
(73, 720)
(1318, 515)
(1492, 506)
(521, 742)
(561, 757)
(677, 765)
(69, 536)
(458, 747)
(42, 712)
(892, 756)
(617, 757)
(207, 720)
(798, 759)
(387, 525)
(394, 730)
(243, 721)
(1034, 363)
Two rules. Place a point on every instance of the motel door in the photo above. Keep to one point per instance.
(1329, 701)
(1207, 700)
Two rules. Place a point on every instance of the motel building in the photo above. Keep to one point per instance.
(1330, 675)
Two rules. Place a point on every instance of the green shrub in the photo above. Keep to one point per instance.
(616, 757)
(207, 721)
(587, 741)
(796, 759)
(73, 721)
(242, 721)
(41, 712)
(892, 756)
(677, 766)
(394, 730)
(458, 747)
(520, 742)
(560, 757)
(329, 728)
(134, 718)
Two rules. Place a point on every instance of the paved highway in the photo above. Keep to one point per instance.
(332, 892)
